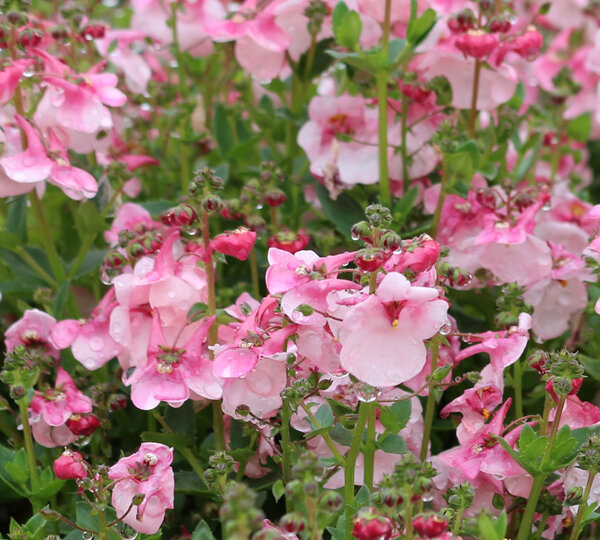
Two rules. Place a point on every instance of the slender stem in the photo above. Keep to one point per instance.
(542, 525)
(534, 495)
(405, 176)
(254, 273)
(382, 76)
(538, 481)
(369, 451)
(408, 517)
(29, 450)
(310, 57)
(286, 450)
(457, 521)
(20, 250)
(430, 407)
(83, 250)
(473, 113)
(583, 506)
(545, 416)
(103, 534)
(440, 205)
(518, 388)
(350, 466)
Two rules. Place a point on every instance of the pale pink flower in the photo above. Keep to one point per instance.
(383, 337)
(10, 77)
(32, 330)
(148, 472)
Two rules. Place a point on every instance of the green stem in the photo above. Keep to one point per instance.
(20, 250)
(583, 506)
(83, 250)
(440, 204)
(542, 525)
(254, 273)
(369, 451)
(405, 176)
(350, 466)
(538, 481)
(382, 76)
(457, 521)
(534, 495)
(430, 407)
(29, 451)
(104, 533)
(473, 113)
(286, 450)
(518, 387)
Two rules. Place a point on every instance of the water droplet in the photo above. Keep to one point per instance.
(171, 294)
(427, 497)
(96, 344)
(146, 107)
(110, 3)
(355, 237)
(173, 64)
(547, 206)
(107, 276)
(259, 206)
(29, 72)
(296, 315)
(366, 393)
(446, 328)
(339, 374)
(87, 536)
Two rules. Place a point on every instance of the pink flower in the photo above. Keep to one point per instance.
(90, 341)
(476, 43)
(148, 473)
(238, 243)
(382, 337)
(32, 330)
(50, 409)
(10, 77)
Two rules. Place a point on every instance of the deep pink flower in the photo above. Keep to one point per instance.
(238, 243)
(148, 472)
(10, 77)
(476, 43)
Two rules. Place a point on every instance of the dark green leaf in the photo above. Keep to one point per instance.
(16, 222)
(222, 130)
(60, 300)
(392, 444)
(202, 532)
(341, 435)
(343, 212)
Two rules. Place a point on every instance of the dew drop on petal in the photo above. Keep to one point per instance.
(96, 344)
(29, 72)
(446, 328)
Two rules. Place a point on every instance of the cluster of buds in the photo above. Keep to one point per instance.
(477, 43)
(510, 305)
(238, 513)
(454, 277)
(22, 368)
(380, 241)
(204, 187)
(562, 371)
(93, 30)
(589, 454)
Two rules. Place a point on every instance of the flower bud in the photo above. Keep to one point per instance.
(476, 43)
(212, 203)
(529, 44)
(522, 201)
(361, 231)
(59, 33)
(70, 465)
(93, 31)
(30, 37)
(369, 526)
(486, 198)
(179, 216)
(574, 496)
(293, 522)
(83, 424)
(17, 18)
(331, 500)
(429, 526)
(370, 259)
(275, 197)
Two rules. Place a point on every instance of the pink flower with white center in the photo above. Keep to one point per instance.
(148, 472)
(90, 341)
(173, 372)
(383, 337)
(32, 330)
(49, 411)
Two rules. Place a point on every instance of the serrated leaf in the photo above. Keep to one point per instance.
(396, 416)
(363, 497)
(459, 167)
(531, 448)
(17, 473)
(563, 451)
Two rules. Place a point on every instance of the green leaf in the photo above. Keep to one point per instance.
(347, 32)
(513, 453)
(492, 528)
(591, 365)
(545, 8)
(579, 128)
(473, 149)
(396, 416)
(202, 532)
(48, 491)
(343, 211)
(16, 222)
(443, 90)
(370, 61)
(563, 451)
(404, 206)
(278, 489)
(418, 31)
(176, 440)
(321, 62)
(339, 12)
(392, 443)
(324, 417)
(88, 219)
(341, 435)
(60, 300)
(9, 240)
(222, 130)
(489, 171)
(460, 168)
(189, 482)
(363, 497)
(531, 449)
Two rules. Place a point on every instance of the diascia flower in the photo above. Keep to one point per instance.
(147, 474)
(382, 337)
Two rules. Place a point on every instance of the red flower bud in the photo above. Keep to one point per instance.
(83, 424)
(576, 385)
(179, 216)
(529, 44)
(70, 465)
(372, 528)
(30, 37)
(369, 259)
(289, 241)
(429, 526)
(476, 43)
(275, 197)
(238, 243)
(486, 198)
(93, 31)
